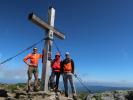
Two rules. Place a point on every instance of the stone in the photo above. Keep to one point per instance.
(3, 93)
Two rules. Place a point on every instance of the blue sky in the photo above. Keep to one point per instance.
(98, 36)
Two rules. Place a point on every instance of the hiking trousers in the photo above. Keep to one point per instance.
(53, 75)
(66, 77)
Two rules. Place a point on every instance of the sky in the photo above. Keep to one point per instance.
(99, 37)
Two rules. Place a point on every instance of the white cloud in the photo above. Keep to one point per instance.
(13, 74)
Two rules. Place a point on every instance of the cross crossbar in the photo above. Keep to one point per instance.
(46, 26)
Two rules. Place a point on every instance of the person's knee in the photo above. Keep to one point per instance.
(29, 78)
(36, 76)
(29, 82)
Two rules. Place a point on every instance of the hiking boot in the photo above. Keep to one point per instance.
(57, 90)
(75, 97)
(66, 95)
(29, 89)
(36, 89)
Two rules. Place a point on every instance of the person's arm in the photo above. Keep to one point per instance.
(40, 55)
(26, 59)
(72, 62)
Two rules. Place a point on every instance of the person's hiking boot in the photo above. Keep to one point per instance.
(36, 89)
(75, 97)
(57, 90)
(29, 89)
(66, 95)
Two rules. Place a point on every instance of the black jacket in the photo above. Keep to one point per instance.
(65, 61)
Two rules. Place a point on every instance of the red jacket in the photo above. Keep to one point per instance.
(56, 65)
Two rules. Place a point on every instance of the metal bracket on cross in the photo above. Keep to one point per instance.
(48, 43)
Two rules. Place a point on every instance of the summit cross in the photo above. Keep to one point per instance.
(51, 31)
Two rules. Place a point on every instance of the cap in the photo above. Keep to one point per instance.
(67, 53)
(57, 54)
(34, 48)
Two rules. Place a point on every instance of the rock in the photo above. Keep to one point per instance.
(116, 95)
(2, 98)
(10, 95)
(9, 98)
(3, 93)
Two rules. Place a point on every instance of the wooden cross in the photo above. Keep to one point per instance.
(48, 43)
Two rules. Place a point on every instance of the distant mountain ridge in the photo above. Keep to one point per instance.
(100, 87)
(96, 89)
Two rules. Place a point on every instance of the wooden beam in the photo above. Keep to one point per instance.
(35, 19)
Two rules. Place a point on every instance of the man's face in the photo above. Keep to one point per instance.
(34, 50)
(57, 57)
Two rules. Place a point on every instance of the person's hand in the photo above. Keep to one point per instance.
(29, 64)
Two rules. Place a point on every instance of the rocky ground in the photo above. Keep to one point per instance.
(22, 95)
(112, 95)
(18, 92)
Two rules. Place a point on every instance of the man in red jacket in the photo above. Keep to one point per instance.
(32, 61)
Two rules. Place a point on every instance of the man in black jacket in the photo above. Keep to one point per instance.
(68, 71)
